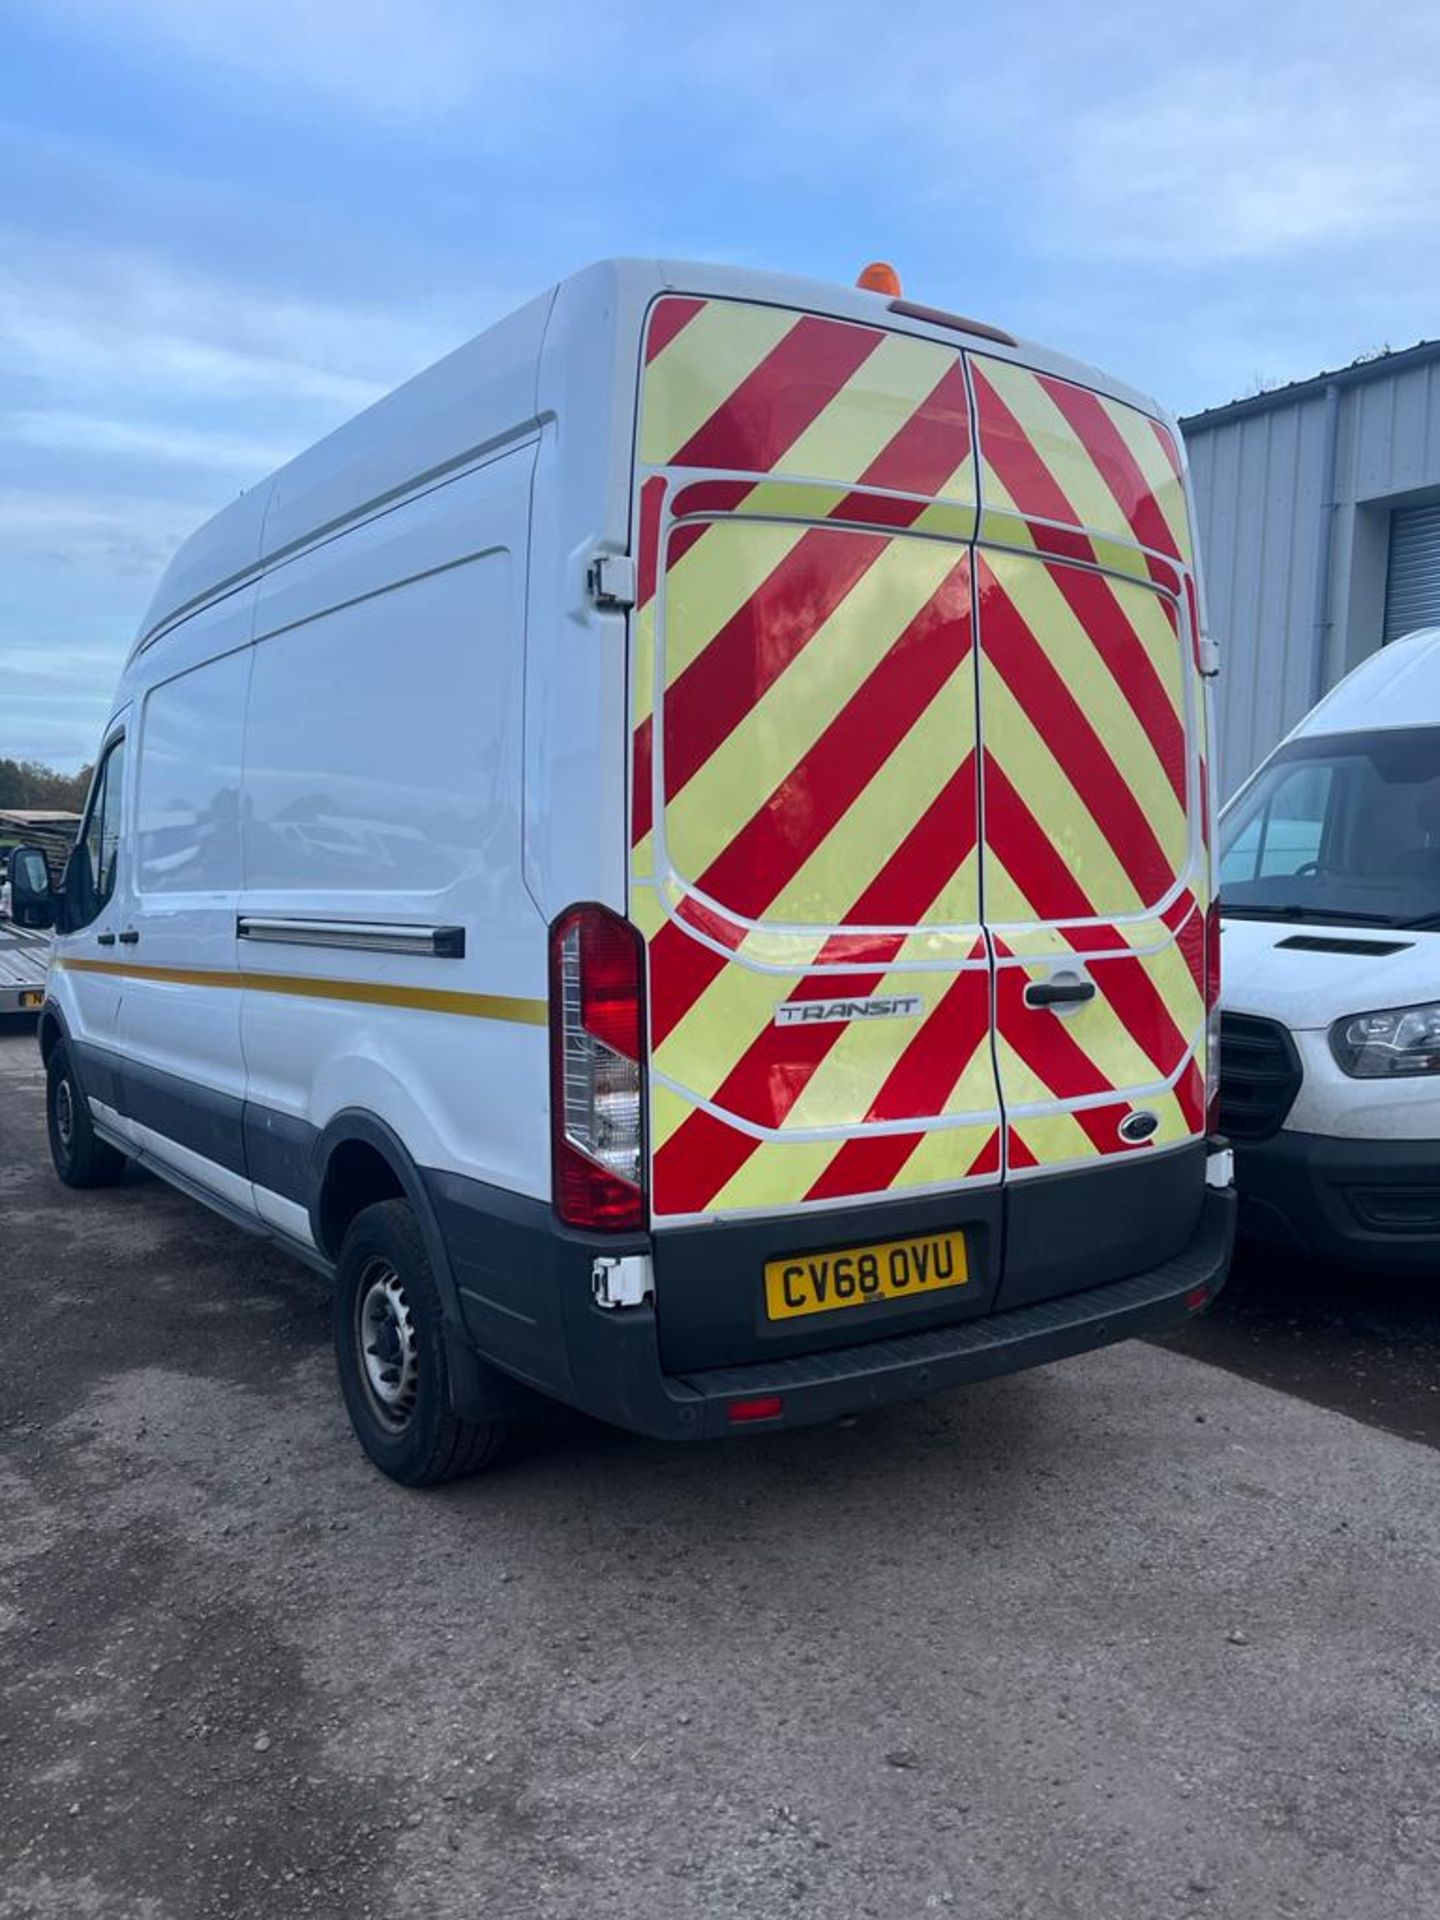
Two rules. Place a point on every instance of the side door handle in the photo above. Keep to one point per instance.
(1048, 993)
(131, 937)
(104, 939)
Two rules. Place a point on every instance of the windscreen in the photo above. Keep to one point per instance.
(1342, 827)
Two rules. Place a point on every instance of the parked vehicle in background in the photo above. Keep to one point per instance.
(24, 962)
(51, 829)
(535, 870)
(24, 952)
(1330, 1034)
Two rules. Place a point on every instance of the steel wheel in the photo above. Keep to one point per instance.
(79, 1156)
(65, 1114)
(390, 1352)
(386, 1345)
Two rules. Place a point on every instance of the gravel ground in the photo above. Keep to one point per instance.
(1363, 1344)
(1131, 1636)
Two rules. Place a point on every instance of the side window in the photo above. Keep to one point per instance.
(97, 852)
(376, 763)
(187, 808)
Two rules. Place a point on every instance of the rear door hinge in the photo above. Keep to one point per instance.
(1209, 657)
(611, 580)
(625, 1280)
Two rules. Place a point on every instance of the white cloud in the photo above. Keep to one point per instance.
(127, 323)
(76, 571)
(170, 445)
(103, 534)
(1215, 133)
(417, 62)
(186, 387)
(1221, 133)
(1235, 164)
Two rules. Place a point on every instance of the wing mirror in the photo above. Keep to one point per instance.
(32, 898)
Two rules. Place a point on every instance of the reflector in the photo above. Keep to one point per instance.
(769, 1408)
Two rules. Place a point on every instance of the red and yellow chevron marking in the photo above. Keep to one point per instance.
(1075, 474)
(1067, 1083)
(799, 1090)
(1086, 779)
(819, 772)
(807, 773)
(1087, 768)
(763, 390)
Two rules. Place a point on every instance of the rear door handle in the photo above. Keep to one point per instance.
(104, 939)
(1048, 993)
(130, 937)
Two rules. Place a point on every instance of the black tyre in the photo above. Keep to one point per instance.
(390, 1350)
(81, 1157)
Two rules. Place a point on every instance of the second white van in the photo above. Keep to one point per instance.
(1330, 876)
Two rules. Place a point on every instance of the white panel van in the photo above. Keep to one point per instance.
(671, 858)
(1330, 1035)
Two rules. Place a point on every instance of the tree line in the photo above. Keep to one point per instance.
(27, 783)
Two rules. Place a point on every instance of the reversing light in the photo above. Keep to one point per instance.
(880, 277)
(597, 1129)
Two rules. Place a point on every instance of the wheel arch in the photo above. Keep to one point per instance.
(51, 1031)
(357, 1160)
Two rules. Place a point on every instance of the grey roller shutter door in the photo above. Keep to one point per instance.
(1412, 592)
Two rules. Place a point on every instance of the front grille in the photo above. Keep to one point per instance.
(1259, 1076)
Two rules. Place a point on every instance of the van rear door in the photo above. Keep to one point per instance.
(1095, 868)
(917, 799)
(805, 862)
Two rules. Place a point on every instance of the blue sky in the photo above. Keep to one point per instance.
(225, 225)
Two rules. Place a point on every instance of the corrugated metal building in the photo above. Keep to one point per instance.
(1319, 512)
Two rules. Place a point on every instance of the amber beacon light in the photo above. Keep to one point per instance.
(880, 277)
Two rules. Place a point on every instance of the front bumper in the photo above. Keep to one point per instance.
(1365, 1203)
(616, 1370)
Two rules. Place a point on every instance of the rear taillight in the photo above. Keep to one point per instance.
(597, 1124)
(1212, 1017)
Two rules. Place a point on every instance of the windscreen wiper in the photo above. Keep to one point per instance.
(1335, 917)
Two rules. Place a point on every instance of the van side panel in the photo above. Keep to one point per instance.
(183, 1069)
(381, 785)
(576, 652)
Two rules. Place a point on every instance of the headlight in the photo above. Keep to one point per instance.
(1373, 1046)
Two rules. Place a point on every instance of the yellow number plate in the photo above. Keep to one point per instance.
(32, 1000)
(892, 1270)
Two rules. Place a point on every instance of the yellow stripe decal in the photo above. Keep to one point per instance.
(370, 993)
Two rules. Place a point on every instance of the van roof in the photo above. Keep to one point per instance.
(484, 394)
(1397, 687)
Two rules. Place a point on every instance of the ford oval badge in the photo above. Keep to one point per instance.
(1138, 1126)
